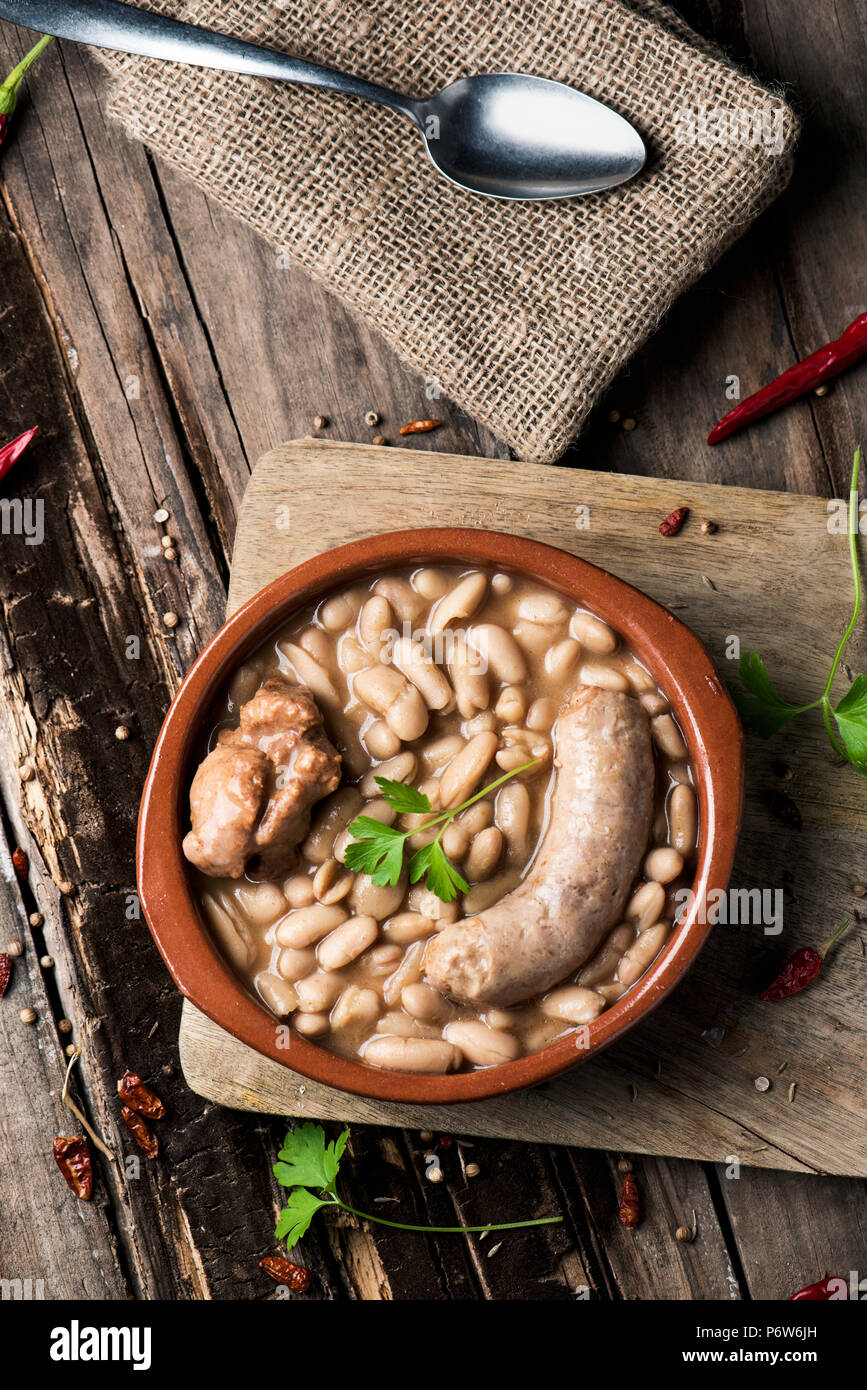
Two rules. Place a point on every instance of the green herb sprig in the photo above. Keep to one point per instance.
(767, 713)
(378, 850)
(310, 1167)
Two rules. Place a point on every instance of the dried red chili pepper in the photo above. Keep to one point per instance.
(673, 522)
(73, 1159)
(801, 969)
(285, 1272)
(139, 1097)
(20, 863)
(11, 452)
(9, 89)
(824, 1290)
(420, 426)
(5, 972)
(630, 1205)
(140, 1131)
(823, 365)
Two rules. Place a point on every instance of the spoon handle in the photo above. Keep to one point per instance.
(110, 24)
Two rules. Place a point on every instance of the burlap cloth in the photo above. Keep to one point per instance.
(521, 312)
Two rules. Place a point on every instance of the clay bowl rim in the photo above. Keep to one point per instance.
(675, 657)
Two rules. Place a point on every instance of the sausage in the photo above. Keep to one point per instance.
(576, 888)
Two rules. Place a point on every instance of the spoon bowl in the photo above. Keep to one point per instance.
(506, 134)
(512, 135)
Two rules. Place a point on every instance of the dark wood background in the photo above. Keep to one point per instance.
(161, 348)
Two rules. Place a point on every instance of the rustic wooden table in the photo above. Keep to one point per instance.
(162, 348)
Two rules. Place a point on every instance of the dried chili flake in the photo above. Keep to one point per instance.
(420, 427)
(139, 1097)
(825, 1290)
(73, 1159)
(285, 1272)
(140, 1131)
(673, 522)
(630, 1206)
(20, 863)
(5, 972)
(801, 969)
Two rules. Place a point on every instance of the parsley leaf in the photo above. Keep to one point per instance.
(851, 717)
(297, 1214)
(442, 876)
(307, 1160)
(767, 713)
(377, 850)
(402, 797)
(762, 708)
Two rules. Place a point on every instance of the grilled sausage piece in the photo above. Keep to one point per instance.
(576, 889)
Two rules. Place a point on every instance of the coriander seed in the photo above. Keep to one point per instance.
(14, 948)
(762, 1083)
(371, 418)
(708, 528)
(472, 1170)
(121, 733)
(380, 439)
(36, 919)
(160, 516)
(27, 1015)
(170, 553)
(629, 424)
(165, 542)
(859, 889)
(47, 962)
(683, 1233)
(321, 422)
(64, 1026)
(613, 417)
(624, 1166)
(170, 619)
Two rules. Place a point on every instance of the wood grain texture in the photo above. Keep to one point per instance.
(242, 352)
(666, 1088)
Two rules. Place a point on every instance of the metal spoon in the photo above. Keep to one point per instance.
(504, 134)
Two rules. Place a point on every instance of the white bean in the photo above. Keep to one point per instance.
(483, 1046)
(381, 960)
(334, 814)
(308, 924)
(243, 685)
(337, 613)
(316, 644)
(456, 841)
(278, 994)
(683, 819)
(511, 705)
(602, 966)
(605, 677)
(667, 737)
(441, 751)
(464, 773)
(374, 620)
(355, 1005)
(408, 971)
(428, 1055)
(542, 714)
(310, 673)
(461, 603)
(470, 681)
(318, 992)
(379, 809)
(406, 927)
(430, 583)
(573, 1004)
(654, 703)
(593, 634)
(499, 649)
(423, 1002)
(429, 905)
(411, 658)
(351, 656)
(371, 899)
(541, 607)
(484, 723)
(642, 953)
(311, 1025)
(293, 963)
(346, 942)
(379, 740)
(484, 854)
(399, 769)
(513, 817)
(261, 903)
(533, 637)
(663, 864)
(298, 890)
(483, 895)
(331, 882)
(403, 598)
(230, 937)
(560, 659)
(476, 817)
(645, 905)
(639, 678)
(387, 691)
(502, 584)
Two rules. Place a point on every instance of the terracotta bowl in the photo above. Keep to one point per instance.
(672, 653)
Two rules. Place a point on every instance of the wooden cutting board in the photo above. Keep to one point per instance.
(772, 577)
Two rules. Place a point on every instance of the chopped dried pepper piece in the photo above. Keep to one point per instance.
(73, 1159)
(139, 1097)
